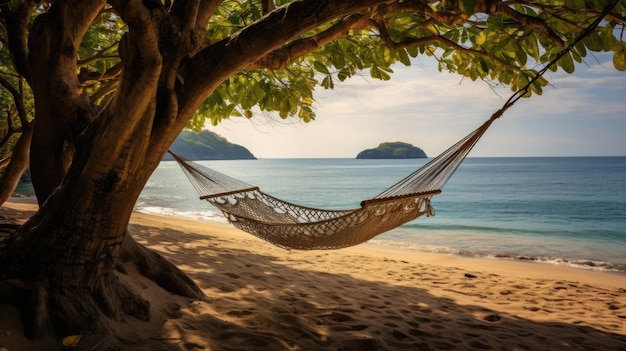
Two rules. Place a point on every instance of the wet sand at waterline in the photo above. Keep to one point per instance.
(260, 297)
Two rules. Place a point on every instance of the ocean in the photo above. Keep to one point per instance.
(559, 210)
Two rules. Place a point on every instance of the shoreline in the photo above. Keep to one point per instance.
(261, 297)
(391, 247)
(548, 270)
(536, 269)
(596, 264)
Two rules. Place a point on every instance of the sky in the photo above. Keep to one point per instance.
(582, 114)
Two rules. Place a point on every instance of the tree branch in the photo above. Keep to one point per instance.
(11, 131)
(213, 64)
(206, 11)
(526, 20)
(552, 9)
(435, 39)
(142, 62)
(17, 30)
(17, 100)
(108, 88)
(281, 57)
(4, 162)
(98, 57)
(267, 6)
(53, 60)
(86, 75)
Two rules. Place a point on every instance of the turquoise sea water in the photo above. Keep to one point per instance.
(561, 210)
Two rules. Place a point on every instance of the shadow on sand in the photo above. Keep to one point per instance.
(262, 302)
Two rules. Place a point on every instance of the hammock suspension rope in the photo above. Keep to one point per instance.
(291, 226)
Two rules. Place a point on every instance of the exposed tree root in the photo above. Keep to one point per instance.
(31, 301)
(72, 310)
(75, 310)
(153, 266)
(6, 229)
(45, 301)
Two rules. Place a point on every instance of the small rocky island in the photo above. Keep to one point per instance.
(392, 150)
(207, 145)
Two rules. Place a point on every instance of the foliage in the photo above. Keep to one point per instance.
(10, 121)
(506, 49)
(99, 61)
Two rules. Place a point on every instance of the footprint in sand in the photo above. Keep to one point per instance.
(239, 313)
(172, 311)
(492, 318)
(399, 335)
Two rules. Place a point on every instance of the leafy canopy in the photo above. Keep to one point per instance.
(506, 47)
(496, 41)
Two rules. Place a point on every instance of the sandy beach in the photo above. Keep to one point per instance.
(260, 297)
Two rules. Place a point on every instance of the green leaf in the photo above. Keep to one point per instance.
(327, 83)
(536, 88)
(346, 73)
(320, 67)
(593, 41)
(481, 38)
(521, 55)
(467, 6)
(338, 57)
(375, 72)
(579, 52)
(306, 114)
(403, 56)
(567, 63)
(413, 51)
(384, 75)
(619, 59)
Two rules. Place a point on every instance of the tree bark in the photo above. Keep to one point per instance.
(65, 278)
(59, 267)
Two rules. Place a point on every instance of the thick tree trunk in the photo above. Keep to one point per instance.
(55, 275)
(59, 267)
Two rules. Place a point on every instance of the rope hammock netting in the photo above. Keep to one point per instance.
(299, 227)
(291, 226)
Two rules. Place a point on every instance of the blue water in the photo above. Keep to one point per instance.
(560, 210)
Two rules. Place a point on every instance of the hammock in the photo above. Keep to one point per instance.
(298, 227)
(291, 226)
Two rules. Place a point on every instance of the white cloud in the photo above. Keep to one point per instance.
(433, 110)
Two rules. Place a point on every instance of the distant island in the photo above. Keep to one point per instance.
(392, 150)
(207, 145)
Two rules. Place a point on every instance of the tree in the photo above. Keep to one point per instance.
(114, 82)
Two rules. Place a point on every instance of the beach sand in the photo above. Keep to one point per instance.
(260, 297)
